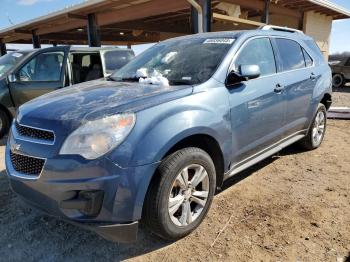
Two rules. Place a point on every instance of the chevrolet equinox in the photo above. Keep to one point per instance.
(152, 142)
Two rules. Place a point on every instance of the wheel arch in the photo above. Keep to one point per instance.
(326, 100)
(208, 144)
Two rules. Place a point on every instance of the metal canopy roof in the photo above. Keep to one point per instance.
(143, 21)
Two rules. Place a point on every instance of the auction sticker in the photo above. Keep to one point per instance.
(225, 41)
(17, 55)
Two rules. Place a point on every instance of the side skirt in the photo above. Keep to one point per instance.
(258, 157)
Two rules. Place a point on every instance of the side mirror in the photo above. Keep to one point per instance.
(12, 78)
(245, 72)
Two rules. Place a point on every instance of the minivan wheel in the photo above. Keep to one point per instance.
(4, 124)
(317, 129)
(180, 194)
(337, 80)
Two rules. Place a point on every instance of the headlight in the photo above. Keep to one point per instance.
(95, 138)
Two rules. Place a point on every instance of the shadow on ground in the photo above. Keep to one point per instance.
(344, 89)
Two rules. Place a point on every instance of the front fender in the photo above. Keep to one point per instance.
(161, 127)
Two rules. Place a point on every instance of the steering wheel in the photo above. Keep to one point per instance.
(24, 74)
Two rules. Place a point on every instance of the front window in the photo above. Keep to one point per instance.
(43, 67)
(7, 62)
(180, 61)
(258, 52)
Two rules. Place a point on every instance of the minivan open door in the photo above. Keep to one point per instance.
(42, 73)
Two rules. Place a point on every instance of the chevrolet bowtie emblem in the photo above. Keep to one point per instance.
(16, 147)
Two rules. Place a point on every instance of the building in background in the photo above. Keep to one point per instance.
(131, 22)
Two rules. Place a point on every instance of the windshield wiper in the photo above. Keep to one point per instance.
(110, 78)
(180, 82)
(125, 79)
(130, 79)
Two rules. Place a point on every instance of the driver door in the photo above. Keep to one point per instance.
(258, 105)
(43, 73)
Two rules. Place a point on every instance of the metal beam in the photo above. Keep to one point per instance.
(196, 12)
(35, 40)
(93, 31)
(207, 13)
(226, 18)
(194, 20)
(21, 31)
(200, 16)
(266, 12)
(75, 16)
(3, 50)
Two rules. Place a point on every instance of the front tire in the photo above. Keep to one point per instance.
(180, 194)
(317, 130)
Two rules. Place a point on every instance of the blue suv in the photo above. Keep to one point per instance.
(152, 142)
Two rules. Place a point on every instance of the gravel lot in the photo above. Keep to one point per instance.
(292, 207)
(342, 96)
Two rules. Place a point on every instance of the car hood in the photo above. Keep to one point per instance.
(71, 106)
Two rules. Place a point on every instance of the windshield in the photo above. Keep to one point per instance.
(181, 61)
(7, 62)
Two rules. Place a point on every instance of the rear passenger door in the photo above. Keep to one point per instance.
(298, 76)
(257, 105)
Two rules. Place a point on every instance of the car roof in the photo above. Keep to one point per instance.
(248, 33)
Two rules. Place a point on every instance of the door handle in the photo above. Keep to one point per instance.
(312, 76)
(279, 88)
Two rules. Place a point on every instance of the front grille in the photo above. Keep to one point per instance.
(35, 133)
(27, 165)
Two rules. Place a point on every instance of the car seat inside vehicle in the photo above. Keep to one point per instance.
(86, 67)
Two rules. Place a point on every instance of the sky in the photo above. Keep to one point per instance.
(17, 11)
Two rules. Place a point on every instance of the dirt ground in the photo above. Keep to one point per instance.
(292, 207)
(342, 96)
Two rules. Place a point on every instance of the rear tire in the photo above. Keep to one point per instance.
(4, 124)
(317, 130)
(338, 81)
(173, 207)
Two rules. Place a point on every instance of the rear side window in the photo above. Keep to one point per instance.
(258, 52)
(291, 54)
(308, 59)
(116, 59)
(314, 47)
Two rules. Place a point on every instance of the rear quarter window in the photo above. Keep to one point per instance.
(116, 59)
(315, 49)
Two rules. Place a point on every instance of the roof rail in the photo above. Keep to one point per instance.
(280, 28)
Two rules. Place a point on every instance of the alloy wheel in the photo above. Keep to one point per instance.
(188, 195)
(319, 128)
